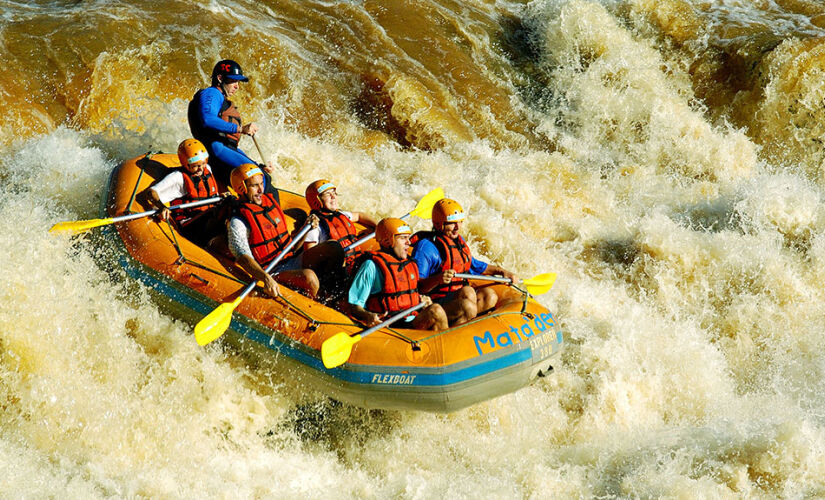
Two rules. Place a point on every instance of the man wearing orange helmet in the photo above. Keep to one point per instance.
(215, 121)
(257, 232)
(387, 283)
(440, 254)
(336, 224)
(193, 181)
(324, 246)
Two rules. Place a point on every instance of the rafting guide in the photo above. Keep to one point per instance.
(216, 122)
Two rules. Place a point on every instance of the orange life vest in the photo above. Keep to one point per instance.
(197, 188)
(268, 232)
(399, 289)
(229, 113)
(455, 254)
(342, 230)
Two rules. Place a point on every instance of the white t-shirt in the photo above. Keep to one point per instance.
(238, 236)
(172, 187)
(320, 234)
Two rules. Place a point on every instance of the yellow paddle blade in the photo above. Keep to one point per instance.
(79, 226)
(335, 350)
(424, 209)
(540, 284)
(214, 324)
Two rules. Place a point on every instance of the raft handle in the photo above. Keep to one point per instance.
(202, 280)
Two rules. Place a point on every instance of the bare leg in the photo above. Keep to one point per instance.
(303, 279)
(486, 299)
(463, 307)
(431, 318)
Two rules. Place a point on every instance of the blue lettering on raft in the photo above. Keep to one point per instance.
(542, 322)
(488, 337)
(389, 378)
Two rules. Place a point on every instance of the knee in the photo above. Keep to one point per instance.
(467, 293)
(312, 281)
(440, 316)
(487, 298)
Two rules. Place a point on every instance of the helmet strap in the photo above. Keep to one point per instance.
(220, 79)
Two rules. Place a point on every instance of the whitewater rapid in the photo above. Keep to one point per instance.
(664, 158)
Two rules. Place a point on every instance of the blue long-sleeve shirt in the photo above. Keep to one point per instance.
(205, 123)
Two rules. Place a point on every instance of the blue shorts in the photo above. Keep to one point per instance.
(289, 264)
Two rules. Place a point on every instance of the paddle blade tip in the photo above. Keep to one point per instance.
(335, 351)
(214, 324)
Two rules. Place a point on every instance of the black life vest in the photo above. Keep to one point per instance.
(197, 188)
(455, 254)
(268, 232)
(399, 289)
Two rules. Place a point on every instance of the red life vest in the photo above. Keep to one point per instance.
(197, 188)
(455, 254)
(268, 232)
(399, 289)
(342, 230)
(229, 113)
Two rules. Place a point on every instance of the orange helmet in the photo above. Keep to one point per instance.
(191, 151)
(388, 229)
(240, 174)
(314, 191)
(447, 210)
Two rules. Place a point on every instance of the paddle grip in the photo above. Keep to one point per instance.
(497, 279)
(402, 314)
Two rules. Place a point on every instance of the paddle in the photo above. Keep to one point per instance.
(215, 323)
(79, 226)
(423, 210)
(536, 285)
(263, 159)
(335, 350)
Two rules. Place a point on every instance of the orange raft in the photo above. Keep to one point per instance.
(494, 354)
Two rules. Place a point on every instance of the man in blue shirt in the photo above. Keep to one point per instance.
(440, 254)
(215, 121)
(387, 283)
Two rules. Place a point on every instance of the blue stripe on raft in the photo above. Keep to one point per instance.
(358, 377)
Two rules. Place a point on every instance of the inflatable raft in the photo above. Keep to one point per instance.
(494, 354)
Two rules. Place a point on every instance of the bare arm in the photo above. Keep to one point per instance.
(494, 270)
(150, 198)
(250, 265)
(364, 219)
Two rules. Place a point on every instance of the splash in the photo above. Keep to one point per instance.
(662, 157)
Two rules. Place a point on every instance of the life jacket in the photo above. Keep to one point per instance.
(197, 188)
(455, 254)
(399, 289)
(229, 113)
(207, 136)
(341, 229)
(268, 232)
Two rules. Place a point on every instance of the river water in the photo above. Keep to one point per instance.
(663, 157)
